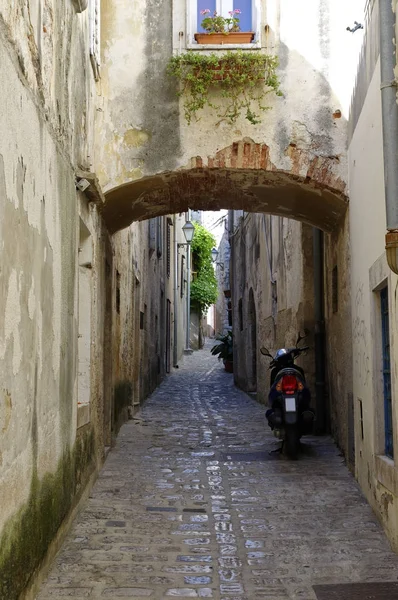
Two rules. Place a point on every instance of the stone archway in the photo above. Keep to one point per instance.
(240, 176)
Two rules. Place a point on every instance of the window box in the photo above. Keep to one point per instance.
(234, 37)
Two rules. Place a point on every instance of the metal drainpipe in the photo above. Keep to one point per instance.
(319, 336)
(175, 348)
(390, 126)
(188, 349)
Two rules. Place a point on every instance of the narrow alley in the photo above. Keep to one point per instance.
(190, 503)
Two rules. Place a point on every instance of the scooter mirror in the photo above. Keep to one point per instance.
(265, 351)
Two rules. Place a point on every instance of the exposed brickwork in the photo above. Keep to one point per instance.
(240, 176)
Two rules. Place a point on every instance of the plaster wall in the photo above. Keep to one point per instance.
(142, 129)
(46, 112)
(376, 473)
(143, 349)
(274, 258)
(265, 249)
(338, 339)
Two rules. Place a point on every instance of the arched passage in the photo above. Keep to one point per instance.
(238, 177)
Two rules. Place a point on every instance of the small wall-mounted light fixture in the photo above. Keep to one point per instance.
(355, 28)
(82, 184)
(214, 256)
(188, 230)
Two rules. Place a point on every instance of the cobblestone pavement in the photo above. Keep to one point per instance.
(178, 511)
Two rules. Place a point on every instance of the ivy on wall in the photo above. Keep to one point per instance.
(243, 80)
(204, 286)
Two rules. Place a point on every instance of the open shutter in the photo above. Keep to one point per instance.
(95, 50)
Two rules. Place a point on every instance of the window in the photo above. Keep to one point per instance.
(240, 308)
(118, 292)
(85, 255)
(385, 333)
(361, 416)
(159, 236)
(335, 290)
(249, 18)
(168, 244)
(229, 310)
(95, 50)
(152, 229)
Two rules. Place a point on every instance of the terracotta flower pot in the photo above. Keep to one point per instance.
(234, 37)
(229, 366)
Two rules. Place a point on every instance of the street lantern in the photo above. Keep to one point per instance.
(214, 254)
(189, 231)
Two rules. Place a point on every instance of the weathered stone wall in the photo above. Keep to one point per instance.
(274, 258)
(142, 130)
(143, 349)
(273, 298)
(338, 339)
(45, 134)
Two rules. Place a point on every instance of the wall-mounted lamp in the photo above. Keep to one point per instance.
(188, 230)
(214, 256)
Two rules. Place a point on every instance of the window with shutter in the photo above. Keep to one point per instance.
(95, 50)
(249, 17)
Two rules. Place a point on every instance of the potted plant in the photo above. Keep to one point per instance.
(222, 30)
(224, 350)
(232, 85)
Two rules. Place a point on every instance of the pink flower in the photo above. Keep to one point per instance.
(237, 11)
(205, 11)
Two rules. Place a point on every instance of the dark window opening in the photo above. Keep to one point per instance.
(335, 290)
(361, 416)
(240, 315)
(118, 292)
(142, 319)
(229, 309)
(159, 236)
(168, 258)
(385, 331)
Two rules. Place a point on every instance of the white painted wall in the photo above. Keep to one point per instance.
(378, 477)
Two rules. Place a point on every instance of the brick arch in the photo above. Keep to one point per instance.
(240, 176)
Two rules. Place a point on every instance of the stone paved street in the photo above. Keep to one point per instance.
(178, 511)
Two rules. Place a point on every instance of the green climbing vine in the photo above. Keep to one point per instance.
(243, 78)
(204, 285)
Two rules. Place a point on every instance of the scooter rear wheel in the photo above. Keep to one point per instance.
(291, 444)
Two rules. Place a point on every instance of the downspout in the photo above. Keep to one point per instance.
(175, 346)
(390, 126)
(188, 349)
(319, 335)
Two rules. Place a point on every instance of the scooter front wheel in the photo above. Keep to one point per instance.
(291, 444)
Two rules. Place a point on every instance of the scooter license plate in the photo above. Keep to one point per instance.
(290, 404)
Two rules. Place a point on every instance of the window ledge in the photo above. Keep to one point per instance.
(387, 473)
(251, 46)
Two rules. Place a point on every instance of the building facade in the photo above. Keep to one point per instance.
(88, 322)
(97, 168)
(373, 292)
